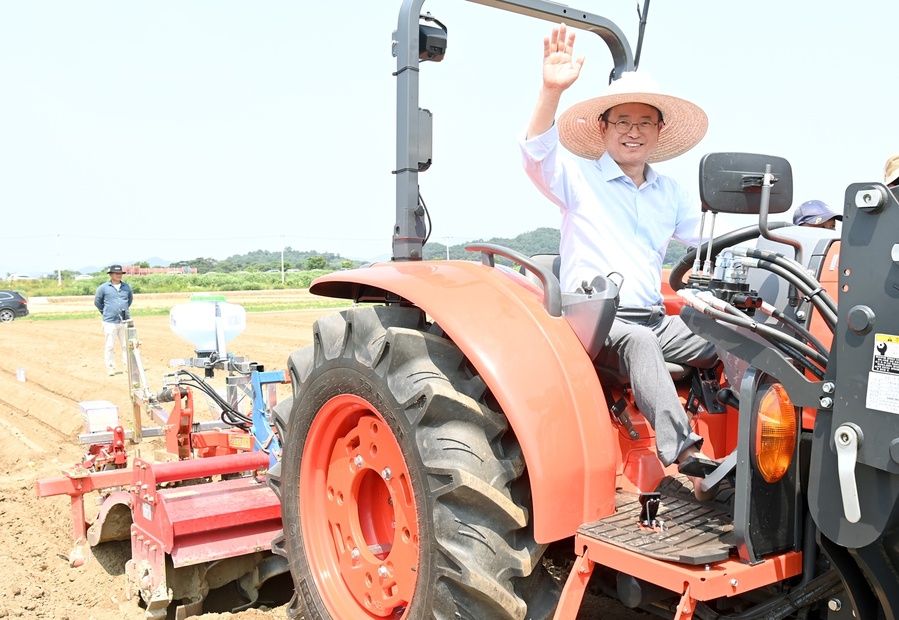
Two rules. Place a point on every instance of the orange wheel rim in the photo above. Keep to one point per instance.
(358, 513)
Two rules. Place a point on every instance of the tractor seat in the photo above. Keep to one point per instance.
(553, 262)
(606, 374)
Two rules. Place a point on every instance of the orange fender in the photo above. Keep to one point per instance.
(533, 364)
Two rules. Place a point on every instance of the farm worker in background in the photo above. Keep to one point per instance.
(619, 214)
(113, 299)
(891, 172)
(816, 214)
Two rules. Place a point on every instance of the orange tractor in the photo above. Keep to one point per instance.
(451, 450)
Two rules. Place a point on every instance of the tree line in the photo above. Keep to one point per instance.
(266, 260)
(539, 241)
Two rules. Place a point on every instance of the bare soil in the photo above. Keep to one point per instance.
(39, 426)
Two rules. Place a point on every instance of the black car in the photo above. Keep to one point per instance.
(12, 306)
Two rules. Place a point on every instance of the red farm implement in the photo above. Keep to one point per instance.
(199, 515)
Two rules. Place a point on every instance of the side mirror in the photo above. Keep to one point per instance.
(432, 41)
(732, 183)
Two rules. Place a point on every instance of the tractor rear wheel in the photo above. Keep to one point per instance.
(403, 495)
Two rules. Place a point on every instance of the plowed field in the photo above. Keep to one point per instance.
(39, 425)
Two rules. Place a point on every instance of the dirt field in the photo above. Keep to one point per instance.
(39, 424)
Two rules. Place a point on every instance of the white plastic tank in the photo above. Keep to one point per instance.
(199, 320)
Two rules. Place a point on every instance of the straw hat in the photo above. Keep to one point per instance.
(685, 122)
(891, 170)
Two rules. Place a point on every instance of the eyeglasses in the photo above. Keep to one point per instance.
(624, 126)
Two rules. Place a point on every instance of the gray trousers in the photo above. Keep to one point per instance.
(640, 342)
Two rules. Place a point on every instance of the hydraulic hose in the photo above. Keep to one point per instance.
(230, 415)
(800, 271)
(793, 267)
(815, 294)
(728, 314)
(798, 328)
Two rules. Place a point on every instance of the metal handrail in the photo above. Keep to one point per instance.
(552, 290)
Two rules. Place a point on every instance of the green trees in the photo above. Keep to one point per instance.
(316, 262)
(539, 241)
(676, 251)
(265, 260)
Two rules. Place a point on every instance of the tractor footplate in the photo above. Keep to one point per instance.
(684, 530)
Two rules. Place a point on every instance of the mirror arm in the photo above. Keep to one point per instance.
(767, 181)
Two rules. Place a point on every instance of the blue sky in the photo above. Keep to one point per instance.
(200, 128)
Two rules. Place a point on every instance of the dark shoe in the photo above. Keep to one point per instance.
(697, 466)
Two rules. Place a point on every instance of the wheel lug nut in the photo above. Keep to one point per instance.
(386, 473)
(355, 554)
(358, 461)
(382, 571)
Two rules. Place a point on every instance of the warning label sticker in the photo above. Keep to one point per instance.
(883, 380)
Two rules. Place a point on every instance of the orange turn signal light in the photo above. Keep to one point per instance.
(775, 433)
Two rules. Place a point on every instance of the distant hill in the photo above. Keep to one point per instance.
(539, 241)
(265, 260)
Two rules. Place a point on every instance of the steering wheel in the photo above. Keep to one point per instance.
(734, 237)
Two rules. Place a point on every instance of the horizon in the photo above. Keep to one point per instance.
(156, 261)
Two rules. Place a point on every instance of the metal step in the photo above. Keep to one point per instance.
(689, 531)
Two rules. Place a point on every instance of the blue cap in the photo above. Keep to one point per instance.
(814, 213)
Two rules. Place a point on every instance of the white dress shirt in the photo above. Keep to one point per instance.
(608, 223)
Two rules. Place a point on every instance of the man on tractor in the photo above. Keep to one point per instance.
(618, 215)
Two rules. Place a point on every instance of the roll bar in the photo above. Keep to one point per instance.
(413, 125)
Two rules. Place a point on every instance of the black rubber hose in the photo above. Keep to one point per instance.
(813, 294)
(771, 335)
(798, 270)
(798, 328)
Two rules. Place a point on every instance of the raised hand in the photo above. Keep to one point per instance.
(560, 69)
